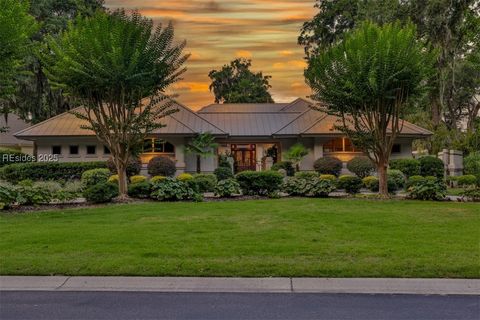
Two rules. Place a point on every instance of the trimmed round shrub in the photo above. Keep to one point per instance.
(94, 176)
(467, 180)
(285, 165)
(185, 177)
(205, 182)
(227, 188)
(223, 173)
(328, 177)
(373, 184)
(397, 177)
(113, 179)
(161, 166)
(306, 175)
(157, 179)
(360, 166)
(101, 192)
(328, 165)
(351, 184)
(431, 166)
(134, 166)
(10, 156)
(137, 179)
(259, 182)
(370, 182)
(409, 167)
(173, 190)
(140, 190)
(413, 180)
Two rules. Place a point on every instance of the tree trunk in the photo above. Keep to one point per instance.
(436, 112)
(382, 179)
(199, 164)
(122, 182)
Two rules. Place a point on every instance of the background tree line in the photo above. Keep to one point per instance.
(451, 28)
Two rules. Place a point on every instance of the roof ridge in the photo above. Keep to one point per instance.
(315, 122)
(301, 114)
(196, 114)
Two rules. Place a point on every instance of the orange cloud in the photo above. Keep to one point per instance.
(243, 54)
(289, 65)
(192, 86)
(286, 53)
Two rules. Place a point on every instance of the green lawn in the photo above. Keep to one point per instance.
(285, 237)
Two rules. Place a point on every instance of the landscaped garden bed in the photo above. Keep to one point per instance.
(277, 237)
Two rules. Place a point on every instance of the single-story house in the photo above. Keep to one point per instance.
(12, 124)
(255, 135)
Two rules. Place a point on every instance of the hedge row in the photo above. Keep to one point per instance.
(43, 171)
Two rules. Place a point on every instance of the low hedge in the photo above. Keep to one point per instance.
(260, 182)
(38, 171)
(10, 156)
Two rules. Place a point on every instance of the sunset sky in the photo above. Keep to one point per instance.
(218, 31)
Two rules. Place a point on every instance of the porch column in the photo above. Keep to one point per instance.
(317, 149)
(180, 157)
(259, 155)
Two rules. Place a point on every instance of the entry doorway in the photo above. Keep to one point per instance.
(244, 157)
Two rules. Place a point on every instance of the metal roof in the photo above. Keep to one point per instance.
(183, 122)
(263, 119)
(13, 124)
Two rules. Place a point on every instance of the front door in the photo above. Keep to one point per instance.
(244, 157)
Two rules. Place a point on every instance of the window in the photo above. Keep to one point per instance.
(157, 146)
(73, 149)
(396, 148)
(340, 145)
(106, 150)
(56, 149)
(91, 149)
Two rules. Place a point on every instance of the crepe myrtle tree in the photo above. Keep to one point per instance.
(119, 66)
(203, 145)
(370, 80)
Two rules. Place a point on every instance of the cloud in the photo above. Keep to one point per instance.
(286, 53)
(217, 31)
(243, 54)
(192, 86)
(289, 65)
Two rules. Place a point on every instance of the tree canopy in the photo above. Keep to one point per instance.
(16, 28)
(235, 83)
(368, 80)
(451, 28)
(35, 100)
(119, 66)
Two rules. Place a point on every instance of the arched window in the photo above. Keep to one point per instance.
(153, 145)
(340, 145)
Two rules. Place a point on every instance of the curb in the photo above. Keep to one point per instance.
(247, 285)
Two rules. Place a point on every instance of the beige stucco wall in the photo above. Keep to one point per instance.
(187, 162)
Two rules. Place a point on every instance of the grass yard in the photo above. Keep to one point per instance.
(284, 237)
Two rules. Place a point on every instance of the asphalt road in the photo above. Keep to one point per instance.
(150, 305)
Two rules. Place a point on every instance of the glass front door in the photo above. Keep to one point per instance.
(244, 156)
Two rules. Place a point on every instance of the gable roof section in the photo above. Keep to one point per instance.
(183, 122)
(13, 124)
